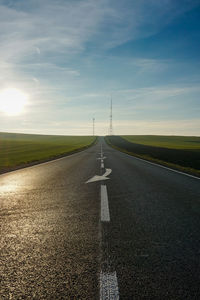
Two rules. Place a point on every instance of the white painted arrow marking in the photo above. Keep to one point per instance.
(102, 177)
(108, 172)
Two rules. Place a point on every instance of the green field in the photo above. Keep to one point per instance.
(171, 142)
(179, 152)
(22, 149)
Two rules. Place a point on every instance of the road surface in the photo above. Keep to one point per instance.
(135, 235)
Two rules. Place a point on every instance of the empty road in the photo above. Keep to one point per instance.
(131, 232)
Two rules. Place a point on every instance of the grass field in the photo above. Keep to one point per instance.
(22, 149)
(179, 152)
(171, 142)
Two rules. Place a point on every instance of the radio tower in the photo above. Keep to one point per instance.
(111, 126)
(93, 120)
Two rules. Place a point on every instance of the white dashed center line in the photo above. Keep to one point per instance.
(105, 214)
(108, 280)
(109, 286)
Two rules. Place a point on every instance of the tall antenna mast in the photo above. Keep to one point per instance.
(93, 125)
(111, 126)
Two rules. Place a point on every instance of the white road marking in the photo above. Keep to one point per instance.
(109, 286)
(105, 214)
(103, 157)
(108, 171)
(97, 178)
(154, 164)
(108, 281)
(100, 177)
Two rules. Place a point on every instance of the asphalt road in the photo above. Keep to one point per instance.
(56, 245)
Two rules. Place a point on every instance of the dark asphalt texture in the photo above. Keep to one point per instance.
(53, 246)
(49, 230)
(153, 239)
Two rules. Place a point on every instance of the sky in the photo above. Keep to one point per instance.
(70, 56)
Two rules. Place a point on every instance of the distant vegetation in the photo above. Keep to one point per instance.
(172, 142)
(18, 150)
(180, 152)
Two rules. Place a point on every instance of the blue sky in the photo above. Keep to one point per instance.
(69, 56)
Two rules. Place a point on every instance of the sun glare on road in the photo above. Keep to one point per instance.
(12, 101)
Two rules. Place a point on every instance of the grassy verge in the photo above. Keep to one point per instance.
(20, 150)
(184, 160)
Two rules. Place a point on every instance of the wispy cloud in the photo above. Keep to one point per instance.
(67, 26)
(147, 65)
(173, 127)
(41, 32)
(48, 49)
(173, 103)
(122, 127)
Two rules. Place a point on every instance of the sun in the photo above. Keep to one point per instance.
(12, 101)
